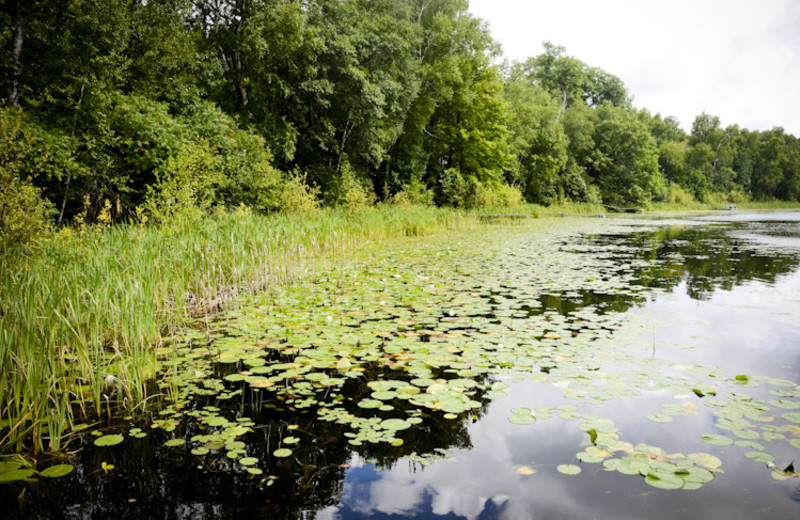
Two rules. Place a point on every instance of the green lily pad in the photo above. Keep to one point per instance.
(175, 442)
(282, 452)
(706, 459)
(568, 469)
(792, 417)
(760, 456)
(109, 440)
(395, 424)
(248, 461)
(664, 480)
(717, 439)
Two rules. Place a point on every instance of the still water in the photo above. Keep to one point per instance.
(618, 368)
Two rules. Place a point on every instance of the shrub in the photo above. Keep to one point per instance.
(500, 194)
(349, 191)
(675, 194)
(297, 196)
(186, 185)
(415, 193)
(24, 214)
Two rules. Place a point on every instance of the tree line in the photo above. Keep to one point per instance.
(113, 107)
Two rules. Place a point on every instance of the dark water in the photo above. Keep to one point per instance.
(714, 297)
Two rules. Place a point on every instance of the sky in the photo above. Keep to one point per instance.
(735, 59)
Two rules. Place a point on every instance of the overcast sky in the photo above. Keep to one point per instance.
(736, 59)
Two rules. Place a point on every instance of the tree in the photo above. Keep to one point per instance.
(627, 169)
(538, 142)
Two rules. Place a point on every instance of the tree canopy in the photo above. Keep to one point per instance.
(104, 100)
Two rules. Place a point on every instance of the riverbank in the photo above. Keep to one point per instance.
(82, 318)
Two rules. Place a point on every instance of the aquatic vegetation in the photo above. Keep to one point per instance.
(82, 322)
(426, 330)
(395, 354)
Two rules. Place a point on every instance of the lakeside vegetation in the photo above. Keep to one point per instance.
(158, 158)
(82, 320)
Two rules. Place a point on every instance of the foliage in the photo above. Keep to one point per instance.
(400, 92)
(99, 301)
(186, 187)
(677, 195)
(296, 196)
(413, 193)
(349, 191)
(24, 215)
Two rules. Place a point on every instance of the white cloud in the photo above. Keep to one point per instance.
(739, 60)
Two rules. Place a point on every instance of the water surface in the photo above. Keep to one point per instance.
(535, 349)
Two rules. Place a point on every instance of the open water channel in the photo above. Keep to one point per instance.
(553, 369)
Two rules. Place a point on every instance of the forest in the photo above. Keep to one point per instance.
(133, 110)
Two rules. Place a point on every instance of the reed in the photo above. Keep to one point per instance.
(81, 321)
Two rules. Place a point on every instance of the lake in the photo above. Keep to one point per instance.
(557, 368)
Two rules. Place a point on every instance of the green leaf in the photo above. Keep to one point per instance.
(14, 475)
(664, 480)
(59, 470)
(568, 469)
(282, 452)
(760, 456)
(395, 424)
(109, 440)
(175, 442)
(717, 440)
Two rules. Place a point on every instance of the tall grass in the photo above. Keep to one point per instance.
(704, 206)
(81, 321)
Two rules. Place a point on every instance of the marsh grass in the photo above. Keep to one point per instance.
(80, 322)
(704, 206)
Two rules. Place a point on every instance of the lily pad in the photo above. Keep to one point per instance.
(792, 417)
(282, 452)
(760, 456)
(717, 439)
(109, 440)
(664, 480)
(395, 424)
(569, 469)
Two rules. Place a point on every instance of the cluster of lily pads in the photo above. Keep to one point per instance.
(444, 321)
(407, 334)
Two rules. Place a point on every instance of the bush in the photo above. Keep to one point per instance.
(186, 186)
(24, 214)
(675, 194)
(350, 192)
(500, 194)
(738, 197)
(415, 193)
(297, 196)
(468, 192)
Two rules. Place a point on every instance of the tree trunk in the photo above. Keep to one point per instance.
(12, 74)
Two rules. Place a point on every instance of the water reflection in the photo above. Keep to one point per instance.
(704, 259)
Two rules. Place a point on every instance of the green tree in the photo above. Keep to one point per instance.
(538, 142)
(627, 169)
